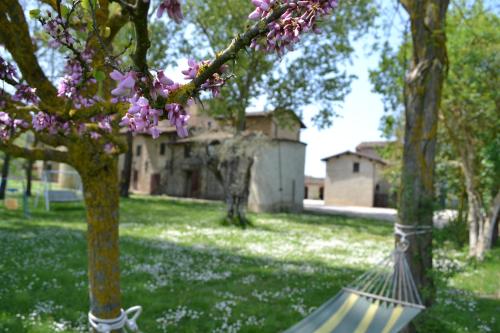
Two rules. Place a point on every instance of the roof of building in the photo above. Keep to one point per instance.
(348, 152)
(313, 180)
(269, 113)
(372, 144)
(207, 136)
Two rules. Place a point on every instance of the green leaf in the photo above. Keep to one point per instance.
(99, 75)
(35, 13)
(107, 32)
(86, 4)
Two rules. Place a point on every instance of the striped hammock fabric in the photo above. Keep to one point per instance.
(381, 301)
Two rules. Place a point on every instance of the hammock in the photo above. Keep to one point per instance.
(383, 300)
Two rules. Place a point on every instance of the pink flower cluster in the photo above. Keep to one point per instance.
(25, 93)
(126, 83)
(56, 28)
(7, 71)
(178, 117)
(173, 9)
(8, 125)
(214, 84)
(142, 117)
(72, 85)
(42, 121)
(300, 17)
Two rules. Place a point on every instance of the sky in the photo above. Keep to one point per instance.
(359, 117)
(360, 114)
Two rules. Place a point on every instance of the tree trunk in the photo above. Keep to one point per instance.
(481, 227)
(127, 168)
(423, 87)
(235, 175)
(474, 216)
(491, 225)
(496, 231)
(102, 203)
(29, 177)
(5, 175)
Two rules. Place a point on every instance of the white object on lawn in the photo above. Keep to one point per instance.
(122, 321)
(70, 190)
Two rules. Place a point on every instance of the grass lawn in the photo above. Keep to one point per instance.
(192, 274)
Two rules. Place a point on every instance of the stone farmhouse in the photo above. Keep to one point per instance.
(172, 166)
(356, 178)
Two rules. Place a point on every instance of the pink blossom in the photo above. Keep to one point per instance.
(7, 71)
(25, 93)
(42, 121)
(301, 16)
(173, 8)
(126, 83)
(213, 84)
(141, 117)
(178, 117)
(192, 70)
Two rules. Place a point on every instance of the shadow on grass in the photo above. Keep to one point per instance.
(379, 228)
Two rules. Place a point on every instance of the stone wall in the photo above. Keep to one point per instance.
(345, 187)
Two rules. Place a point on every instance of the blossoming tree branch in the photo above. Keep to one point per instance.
(80, 117)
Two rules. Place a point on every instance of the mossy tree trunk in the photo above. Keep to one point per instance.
(423, 88)
(101, 191)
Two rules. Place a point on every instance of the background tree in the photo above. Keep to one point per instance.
(470, 116)
(78, 123)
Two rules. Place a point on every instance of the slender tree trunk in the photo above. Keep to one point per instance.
(127, 168)
(5, 175)
(481, 226)
(496, 232)
(102, 203)
(423, 89)
(475, 215)
(29, 177)
(491, 225)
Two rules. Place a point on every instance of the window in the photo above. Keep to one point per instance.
(163, 149)
(146, 166)
(138, 150)
(355, 167)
